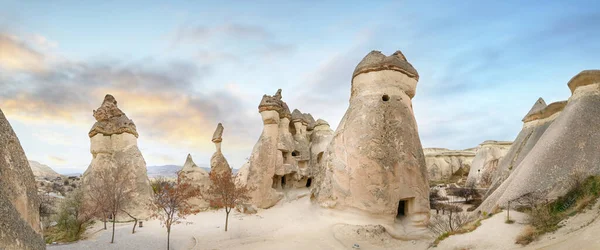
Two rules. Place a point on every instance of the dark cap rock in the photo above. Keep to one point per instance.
(111, 120)
(376, 61)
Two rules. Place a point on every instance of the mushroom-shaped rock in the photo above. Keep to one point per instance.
(567, 149)
(216, 138)
(378, 138)
(537, 106)
(20, 226)
(111, 120)
(113, 140)
(534, 127)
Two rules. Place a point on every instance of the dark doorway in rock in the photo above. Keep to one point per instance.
(295, 153)
(385, 98)
(277, 181)
(308, 182)
(283, 182)
(401, 209)
(319, 157)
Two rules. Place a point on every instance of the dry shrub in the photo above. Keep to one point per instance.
(527, 235)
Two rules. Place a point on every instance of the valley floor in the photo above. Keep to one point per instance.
(299, 224)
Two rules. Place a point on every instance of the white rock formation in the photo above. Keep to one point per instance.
(535, 123)
(114, 146)
(486, 162)
(443, 163)
(197, 177)
(567, 150)
(218, 163)
(281, 159)
(375, 165)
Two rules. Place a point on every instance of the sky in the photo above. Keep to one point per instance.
(178, 68)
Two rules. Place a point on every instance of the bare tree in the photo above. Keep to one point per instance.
(224, 193)
(171, 201)
(110, 191)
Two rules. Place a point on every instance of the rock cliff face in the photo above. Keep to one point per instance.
(535, 123)
(374, 164)
(114, 148)
(486, 162)
(282, 159)
(19, 203)
(442, 163)
(568, 148)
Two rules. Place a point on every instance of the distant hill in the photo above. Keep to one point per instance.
(171, 170)
(41, 171)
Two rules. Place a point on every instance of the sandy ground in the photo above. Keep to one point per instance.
(299, 224)
(292, 225)
(493, 233)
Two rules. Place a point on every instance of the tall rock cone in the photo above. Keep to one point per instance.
(218, 163)
(375, 163)
(566, 151)
(196, 177)
(19, 203)
(535, 123)
(114, 148)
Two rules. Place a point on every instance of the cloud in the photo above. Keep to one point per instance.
(56, 160)
(16, 55)
(228, 30)
(165, 101)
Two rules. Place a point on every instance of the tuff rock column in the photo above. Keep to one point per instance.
(114, 147)
(218, 163)
(375, 162)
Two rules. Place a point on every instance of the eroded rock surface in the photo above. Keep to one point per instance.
(19, 202)
(486, 162)
(114, 148)
(284, 157)
(375, 163)
(443, 163)
(567, 149)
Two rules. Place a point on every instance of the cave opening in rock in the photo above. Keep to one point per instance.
(277, 181)
(283, 182)
(295, 153)
(319, 157)
(401, 209)
(308, 182)
(385, 98)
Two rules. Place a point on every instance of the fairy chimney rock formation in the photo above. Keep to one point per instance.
(567, 149)
(486, 162)
(114, 148)
(375, 164)
(197, 177)
(19, 203)
(283, 158)
(218, 163)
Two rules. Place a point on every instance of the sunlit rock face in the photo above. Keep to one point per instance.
(443, 163)
(375, 164)
(19, 203)
(283, 159)
(114, 147)
(486, 161)
(567, 149)
(535, 123)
